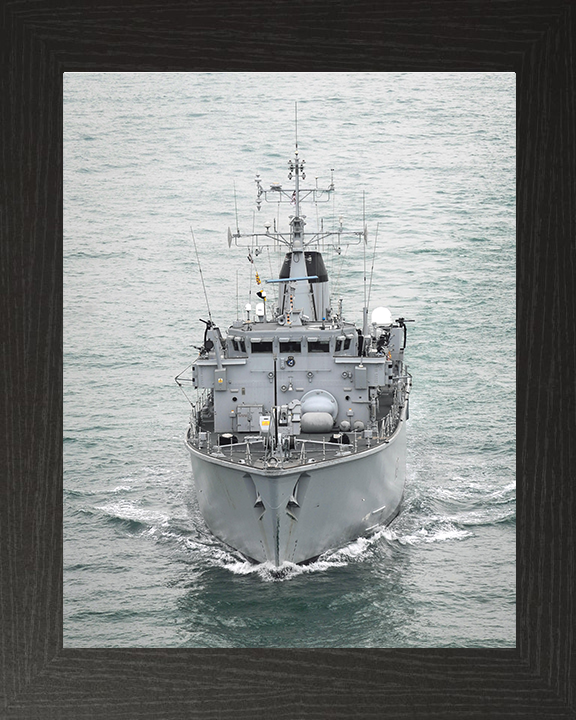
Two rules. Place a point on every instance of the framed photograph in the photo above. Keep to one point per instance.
(119, 126)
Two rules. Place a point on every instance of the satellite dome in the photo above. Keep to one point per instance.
(381, 316)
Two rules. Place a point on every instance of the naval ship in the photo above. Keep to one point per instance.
(297, 432)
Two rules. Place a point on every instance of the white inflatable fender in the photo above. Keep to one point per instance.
(316, 422)
(319, 401)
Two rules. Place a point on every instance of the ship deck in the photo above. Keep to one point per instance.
(250, 449)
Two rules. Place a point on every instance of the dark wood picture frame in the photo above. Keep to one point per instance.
(41, 40)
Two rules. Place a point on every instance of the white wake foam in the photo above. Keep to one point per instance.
(441, 532)
(126, 510)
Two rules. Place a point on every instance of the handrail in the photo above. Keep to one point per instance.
(386, 428)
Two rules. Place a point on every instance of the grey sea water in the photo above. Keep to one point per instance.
(147, 156)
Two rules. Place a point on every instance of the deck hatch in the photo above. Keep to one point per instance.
(360, 378)
(220, 382)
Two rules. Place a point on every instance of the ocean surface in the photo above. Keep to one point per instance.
(150, 156)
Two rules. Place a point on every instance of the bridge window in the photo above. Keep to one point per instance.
(290, 346)
(262, 347)
(318, 346)
(342, 343)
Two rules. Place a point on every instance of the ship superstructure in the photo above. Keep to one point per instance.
(297, 433)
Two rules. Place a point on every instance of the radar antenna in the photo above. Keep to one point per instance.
(236, 210)
(296, 123)
(201, 274)
(372, 268)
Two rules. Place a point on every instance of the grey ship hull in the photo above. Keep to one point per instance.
(297, 434)
(296, 514)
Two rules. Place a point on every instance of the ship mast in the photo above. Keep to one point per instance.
(292, 165)
(304, 289)
(296, 167)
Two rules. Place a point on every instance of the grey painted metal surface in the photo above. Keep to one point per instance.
(297, 513)
(297, 434)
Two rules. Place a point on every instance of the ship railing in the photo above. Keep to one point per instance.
(389, 423)
(255, 447)
(304, 450)
(244, 447)
(311, 450)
